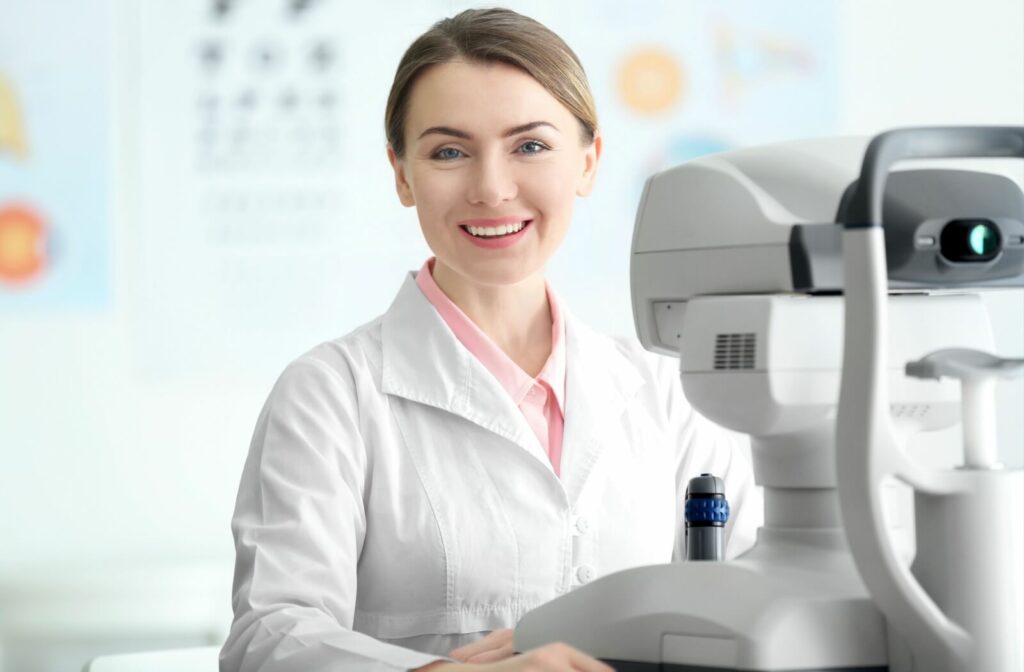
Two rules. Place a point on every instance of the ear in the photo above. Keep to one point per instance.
(401, 181)
(590, 158)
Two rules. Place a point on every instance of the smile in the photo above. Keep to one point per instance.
(495, 231)
(504, 235)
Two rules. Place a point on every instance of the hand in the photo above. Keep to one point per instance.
(495, 646)
(555, 657)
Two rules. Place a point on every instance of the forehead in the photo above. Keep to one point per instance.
(481, 98)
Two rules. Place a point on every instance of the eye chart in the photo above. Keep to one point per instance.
(245, 184)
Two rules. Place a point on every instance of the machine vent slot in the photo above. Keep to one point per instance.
(735, 351)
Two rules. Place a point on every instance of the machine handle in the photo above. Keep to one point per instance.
(949, 142)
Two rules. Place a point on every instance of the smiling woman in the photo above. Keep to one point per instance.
(488, 148)
(414, 487)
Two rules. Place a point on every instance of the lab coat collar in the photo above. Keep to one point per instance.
(600, 381)
(423, 361)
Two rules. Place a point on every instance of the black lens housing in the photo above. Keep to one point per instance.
(970, 240)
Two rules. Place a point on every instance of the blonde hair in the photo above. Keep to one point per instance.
(493, 36)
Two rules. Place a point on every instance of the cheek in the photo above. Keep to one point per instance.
(435, 192)
(554, 187)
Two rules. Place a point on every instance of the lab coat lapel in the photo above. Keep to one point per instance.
(423, 361)
(599, 382)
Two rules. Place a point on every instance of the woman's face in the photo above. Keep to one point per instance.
(489, 150)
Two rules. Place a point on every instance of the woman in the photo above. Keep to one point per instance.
(475, 451)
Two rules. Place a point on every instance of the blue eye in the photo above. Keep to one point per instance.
(447, 154)
(532, 147)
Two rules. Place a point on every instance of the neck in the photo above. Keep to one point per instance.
(516, 317)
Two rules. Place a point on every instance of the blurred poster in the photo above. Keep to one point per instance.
(685, 79)
(54, 157)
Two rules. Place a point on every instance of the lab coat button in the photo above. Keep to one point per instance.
(582, 525)
(584, 573)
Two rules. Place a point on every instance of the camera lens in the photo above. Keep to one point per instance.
(966, 240)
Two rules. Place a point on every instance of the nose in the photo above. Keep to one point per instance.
(492, 182)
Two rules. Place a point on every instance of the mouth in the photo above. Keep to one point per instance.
(499, 231)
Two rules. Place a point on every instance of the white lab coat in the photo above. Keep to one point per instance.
(395, 503)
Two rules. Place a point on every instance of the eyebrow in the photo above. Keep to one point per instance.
(454, 132)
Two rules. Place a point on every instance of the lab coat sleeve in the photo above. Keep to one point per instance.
(705, 447)
(299, 525)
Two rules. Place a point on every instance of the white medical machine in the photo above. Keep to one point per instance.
(821, 303)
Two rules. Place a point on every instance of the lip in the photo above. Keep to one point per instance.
(496, 243)
(512, 219)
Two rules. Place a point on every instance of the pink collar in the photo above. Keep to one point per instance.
(515, 381)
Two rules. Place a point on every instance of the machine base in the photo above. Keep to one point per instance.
(794, 602)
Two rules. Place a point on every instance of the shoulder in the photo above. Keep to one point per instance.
(350, 362)
(662, 369)
(658, 374)
(646, 363)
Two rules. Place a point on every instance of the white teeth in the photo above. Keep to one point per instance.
(502, 230)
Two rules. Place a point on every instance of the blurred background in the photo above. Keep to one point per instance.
(194, 193)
